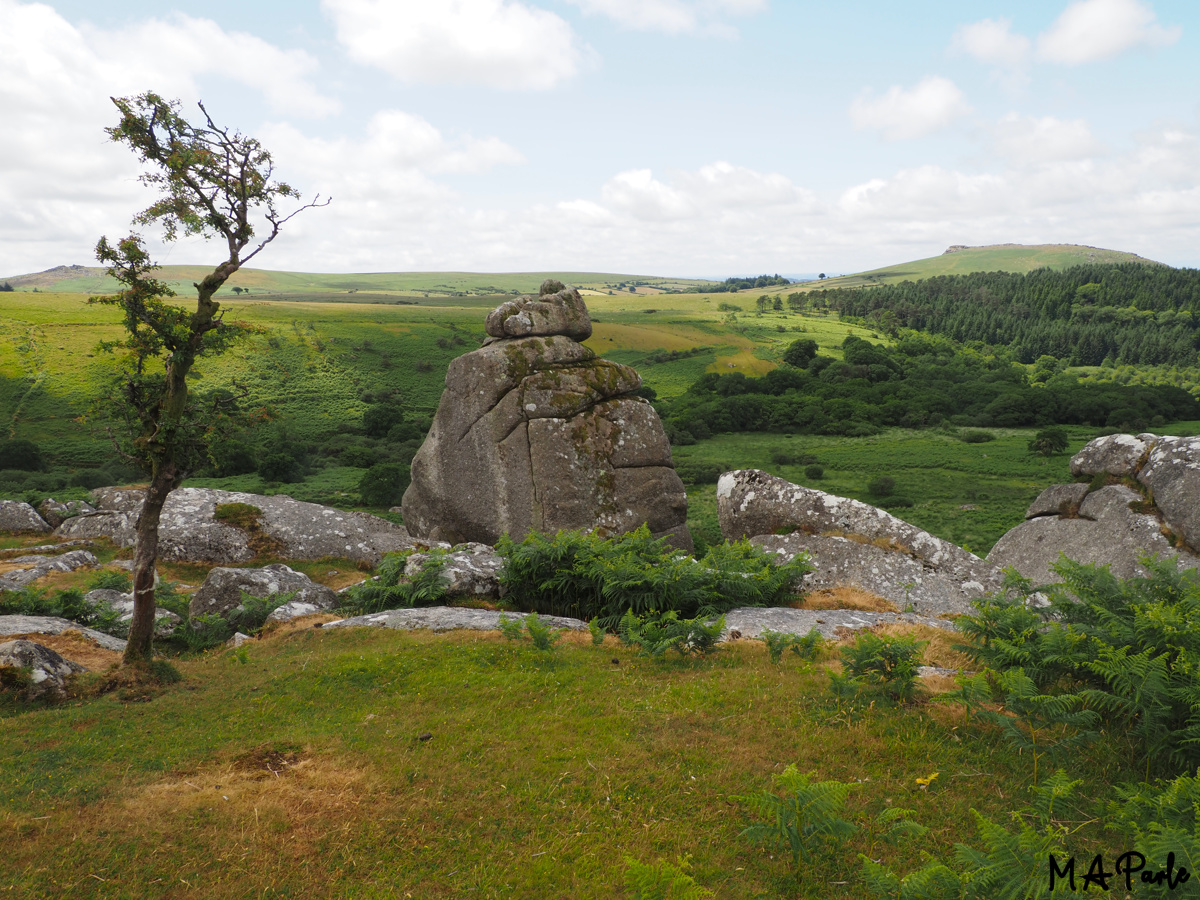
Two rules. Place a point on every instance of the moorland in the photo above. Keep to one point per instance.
(374, 763)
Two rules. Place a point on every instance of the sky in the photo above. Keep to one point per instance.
(690, 138)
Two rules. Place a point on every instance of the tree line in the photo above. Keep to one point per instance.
(922, 381)
(1125, 313)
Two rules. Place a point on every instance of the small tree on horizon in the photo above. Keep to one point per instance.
(215, 183)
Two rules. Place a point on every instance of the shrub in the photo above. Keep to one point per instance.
(1049, 441)
(806, 646)
(543, 636)
(814, 472)
(390, 590)
(64, 604)
(586, 576)
(803, 817)
(111, 580)
(655, 634)
(896, 502)
(881, 486)
(380, 418)
(279, 467)
(976, 437)
(1126, 648)
(359, 457)
(384, 484)
(800, 353)
(700, 473)
(24, 456)
(888, 664)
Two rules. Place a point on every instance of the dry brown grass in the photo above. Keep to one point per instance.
(846, 597)
(74, 646)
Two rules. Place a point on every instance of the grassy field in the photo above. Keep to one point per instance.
(969, 494)
(295, 767)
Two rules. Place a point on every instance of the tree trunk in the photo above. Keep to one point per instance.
(141, 629)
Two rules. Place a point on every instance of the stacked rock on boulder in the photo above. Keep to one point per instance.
(853, 544)
(535, 433)
(1113, 525)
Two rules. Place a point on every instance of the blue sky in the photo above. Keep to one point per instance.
(684, 137)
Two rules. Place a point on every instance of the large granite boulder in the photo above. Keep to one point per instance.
(1104, 530)
(17, 517)
(45, 672)
(853, 544)
(222, 589)
(538, 434)
(25, 570)
(189, 531)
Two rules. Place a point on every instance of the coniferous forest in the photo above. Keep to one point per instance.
(1127, 313)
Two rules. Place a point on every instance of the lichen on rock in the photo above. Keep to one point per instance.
(534, 433)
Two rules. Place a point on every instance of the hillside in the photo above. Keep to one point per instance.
(75, 279)
(956, 260)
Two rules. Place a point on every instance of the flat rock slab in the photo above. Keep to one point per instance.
(749, 621)
(449, 618)
(752, 621)
(30, 568)
(54, 625)
(44, 549)
(188, 530)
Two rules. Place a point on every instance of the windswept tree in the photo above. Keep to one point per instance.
(215, 183)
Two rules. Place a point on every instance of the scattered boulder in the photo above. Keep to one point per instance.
(1114, 525)
(16, 516)
(1106, 531)
(293, 609)
(852, 544)
(189, 531)
(46, 671)
(165, 621)
(472, 570)
(28, 569)
(10, 625)
(55, 513)
(535, 433)
(1058, 499)
(222, 589)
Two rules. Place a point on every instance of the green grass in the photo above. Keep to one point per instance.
(293, 768)
(940, 473)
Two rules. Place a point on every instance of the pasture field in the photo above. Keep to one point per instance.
(377, 764)
(968, 494)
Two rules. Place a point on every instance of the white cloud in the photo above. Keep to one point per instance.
(495, 43)
(672, 16)
(640, 194)
(1034, 140)
(991, 41)
(1091, 30)
(62, 183)
(899, 114)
